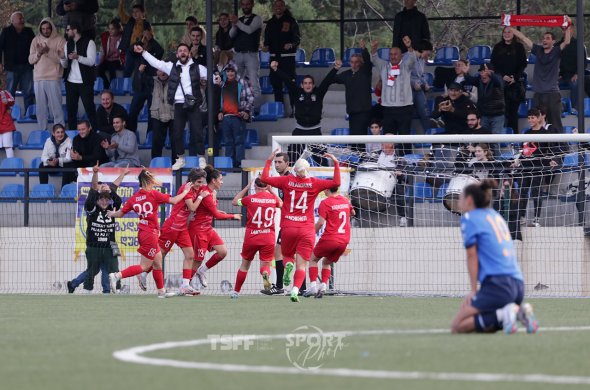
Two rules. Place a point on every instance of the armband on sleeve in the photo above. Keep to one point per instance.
(240, 202)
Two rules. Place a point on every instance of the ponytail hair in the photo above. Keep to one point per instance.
(146, 178)
(212, 173)
(259, 183)
(481, 193)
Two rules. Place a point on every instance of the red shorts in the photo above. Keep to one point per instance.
(204, 242)
(266, 252)
(331, 250)
(297, 240)
(170, 237)
(148, 243)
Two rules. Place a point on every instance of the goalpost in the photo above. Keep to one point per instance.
(406, 236)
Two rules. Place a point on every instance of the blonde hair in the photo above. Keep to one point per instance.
(146, 178)
(301, 166)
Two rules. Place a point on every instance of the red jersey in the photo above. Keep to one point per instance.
(299, 195)
(145, 204)
(203, 217)
(178, 219)
(336, 211)
(261, 208)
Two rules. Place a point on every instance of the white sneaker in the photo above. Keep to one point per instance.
(403, 222)
(188, 291)
(194, 283)
(178, 164)
(234, 295)
(142, 281)
(113, 282)
(166, 294)
(201, 276)
(202, 162)
(536, 223)
(509, 321)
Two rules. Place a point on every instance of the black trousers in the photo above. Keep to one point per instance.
(318, 150)
(95, 257)
(511, 108)
(108, 71)
(398, 121)
(530, 189)
(358, 124)
(85, 92)
(196, 144)
(288, 66)
(551, 101)
(137, 103)
(67, 177)
(160, 129)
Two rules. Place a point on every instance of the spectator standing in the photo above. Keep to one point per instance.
(190, 23)
(184, 92)
(281, 38)
(509, 62)
(409, 23)
(568, 68)
(396, 91)
(81, 12)
(15, 42)
(122, 148)
(79, 73)
(133, 29)
(86, 149)
(358, 84)
(6, 123)
(45, 53)
(105, 113)
(56, 155)
(419, 84)
(235, 110)
(224, 43)
(490, 98)
(111, 58)
(143, 79)
(245, 33)
(162, 114)
(545, 78)
(376, 129)
(198, 50)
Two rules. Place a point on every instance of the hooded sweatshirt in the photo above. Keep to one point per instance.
(47, 67)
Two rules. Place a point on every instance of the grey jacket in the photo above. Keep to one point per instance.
(160, 108)
(400, 93)
(127, 148)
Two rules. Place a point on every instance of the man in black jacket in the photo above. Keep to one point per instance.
(107, 111)
(309, 104)
(15, 42)
(409, 23)
(282, 38)
(357, 81)
(82, 12)
(86, 149)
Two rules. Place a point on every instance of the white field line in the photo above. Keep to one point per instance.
(135, 355)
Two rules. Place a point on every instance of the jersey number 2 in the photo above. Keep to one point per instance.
(342, 216)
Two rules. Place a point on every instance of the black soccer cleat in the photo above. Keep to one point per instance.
(274, 290)
(71, 288)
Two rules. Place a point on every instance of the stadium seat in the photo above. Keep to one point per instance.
(440, 194)
(435, 131)
(144, 114)
(506, 156)
(120, 86)
(383, 53)
(12, 191)
(264, 58)
(40, 192)
(98, 85)
(446, 55)
(17, 139)
(147, 145)
(570, 160)
(265, 85)
(251, 138)
(587, 107)
(507, 130)
(15, 112)
(523, 110)
(429, 77)
(300, 57)
(340, 131)
(36, 140)
(35, 165)
(161, 162)
(30, 115)
(223, 162)
(348, 159)
(422, 192)
(322, 57)
(271, 111)
(191, 161)
(63, 88)
(532, 58)
(430, 106)
(72, 133)
(479, 54)
(11, 163)
(68, 193)
(566, 104)
(348, 53)
(413, 158)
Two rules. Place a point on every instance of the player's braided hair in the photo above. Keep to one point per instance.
(481, 193)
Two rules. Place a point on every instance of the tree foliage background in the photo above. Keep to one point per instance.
(463, 33)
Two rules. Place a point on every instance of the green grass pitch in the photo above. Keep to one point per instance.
(67, 342)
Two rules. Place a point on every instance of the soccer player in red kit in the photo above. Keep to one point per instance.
(203, 236)
(145, 203)
(260, 231)
(297, 213)
(335, 212)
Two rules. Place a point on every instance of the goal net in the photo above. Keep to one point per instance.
(406, 235)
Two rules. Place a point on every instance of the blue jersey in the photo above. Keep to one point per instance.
(495, 248)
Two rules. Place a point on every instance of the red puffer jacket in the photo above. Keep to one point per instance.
(6, 122)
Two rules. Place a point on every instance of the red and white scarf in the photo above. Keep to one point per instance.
(536, 20)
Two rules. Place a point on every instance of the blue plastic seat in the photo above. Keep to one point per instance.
(149, 138)
(251, 138)
(68, 193)
(340, 131)
(191, 161)
(264, 58)
(523, 110)
(348, 53)
(120, 86)
(479, 54)
(570, 160)
(271, 111)
(11, 163)
(506, 156)
(322, 57)
(422, 192)
(17, 139)
(525, 81)
(440, 194)
(429, 77)
(36, 140)
(223, 162)
(30, 115)
(300, 57)
(383, 53)
(435, 130)
(161, 162)
(12, 191)
(587, 107)
(35, 163)
(265, 85)
(15, 112)
(98, 85)
(566, 105)
(446, 55)
(40, 192)
(349, 159)
(413, 158)
(532, 58)
(63, 88)
(144, 114)
(72, 133)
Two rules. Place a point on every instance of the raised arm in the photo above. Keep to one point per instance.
(164, 66)
(335, 182)
(273, 181)
(120, 178)
(274, 67)
(528, 44)
(236, 200)
(255, 25)
(94, 185)
(567, 38)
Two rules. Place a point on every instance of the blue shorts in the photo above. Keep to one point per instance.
(495, 293)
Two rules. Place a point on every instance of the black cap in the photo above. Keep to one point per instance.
(484, 66)
(455, 85)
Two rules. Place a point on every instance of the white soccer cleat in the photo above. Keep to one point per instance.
(509, 318)
(142, 281)
(179, 163)
(113, 282)
(201, 276)
(166, 294)
(194, 283)
(527, 318)
(234, 295)
(188, 291)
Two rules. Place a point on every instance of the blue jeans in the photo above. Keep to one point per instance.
(496, 125)
(104, 278)
(573, 86)
(421, 109)
(21, 76)
(233, 129)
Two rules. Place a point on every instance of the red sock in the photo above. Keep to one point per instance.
(131, 271)
(240, 278)
(299, 278)
(158, 278)
(212, 262)
(313, 274)
(326, 272)
(187, 273)
(149, 270)
(193, 272)
(265, 269)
